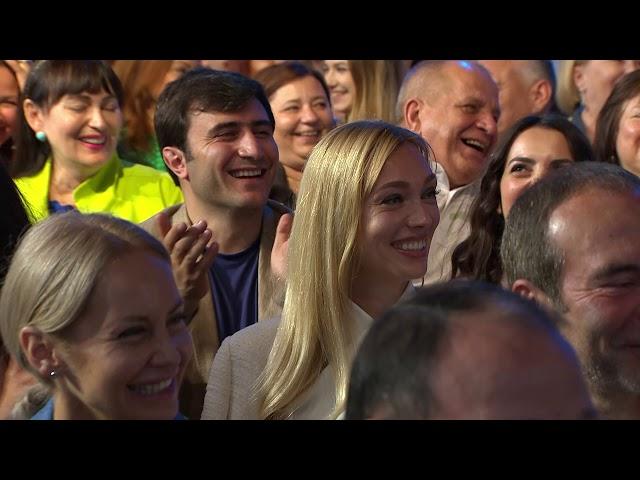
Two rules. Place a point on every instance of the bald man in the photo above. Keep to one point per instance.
(526, 87)
(454, 106)
(466, 350)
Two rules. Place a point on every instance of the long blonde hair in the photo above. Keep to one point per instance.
(567, 95)
(377, 83)
(316, 327)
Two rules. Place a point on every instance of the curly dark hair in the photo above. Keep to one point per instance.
(478, 257)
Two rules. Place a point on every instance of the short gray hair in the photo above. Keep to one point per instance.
(527, 251)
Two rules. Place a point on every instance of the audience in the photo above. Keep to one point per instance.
(466, 350)
(301, 107)
(69, 124)
(90, 307)
(454, 106)
(583, 87)
(531, 149)
(618, 127)
(215, 130)
(366, 214)
(142, 82)
(527, 87)
(572, 243)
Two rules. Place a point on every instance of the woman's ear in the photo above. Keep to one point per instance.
(39, 351)
(33, 114)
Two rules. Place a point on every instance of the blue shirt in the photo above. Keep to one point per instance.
(46, 412)
(234, 280)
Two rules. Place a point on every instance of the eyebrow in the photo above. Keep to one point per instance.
(403, 184)
(616, 269)
(531, 161)
(234, 125)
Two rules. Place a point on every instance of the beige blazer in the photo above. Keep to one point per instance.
(242, 358)
(203, 326)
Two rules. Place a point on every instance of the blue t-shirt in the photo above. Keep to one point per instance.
(234, 280)
(57, 207)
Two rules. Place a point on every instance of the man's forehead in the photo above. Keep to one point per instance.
(250, 113)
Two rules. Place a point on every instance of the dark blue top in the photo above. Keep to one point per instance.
(46, 412)
(57, 207)
(234, 280)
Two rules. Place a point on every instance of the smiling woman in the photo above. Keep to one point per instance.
(300, 102)
(90, 307)
(69, 123)
(531, 149)
(362, 230)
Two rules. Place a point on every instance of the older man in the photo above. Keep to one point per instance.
(527, 87)
(572, 242)
(453, 105)
(466, 350)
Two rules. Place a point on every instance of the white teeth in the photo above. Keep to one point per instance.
(476, 143)
(415, 245)
(246, 173)
(309, 134)
(151, 389)
(94, 141)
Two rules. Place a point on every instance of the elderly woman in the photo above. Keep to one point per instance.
(531, 149)
(618, 127)
(300, 102)
(90, 307)
(66, 157)
(366, 214)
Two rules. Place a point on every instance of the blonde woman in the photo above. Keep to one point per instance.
(583, 88)
(365, 218)
(364, 89)
(90, 308)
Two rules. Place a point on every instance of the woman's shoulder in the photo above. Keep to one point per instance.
(254, 338)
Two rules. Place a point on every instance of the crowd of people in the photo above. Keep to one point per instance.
(320, 239)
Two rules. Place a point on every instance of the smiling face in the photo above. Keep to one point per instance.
(399, 218)
(628, 139)
(340, 82)
(81, 129)
(231, 157)
(600, 285)
(534, 154)
(125, 356)
(459, 121)
(303, 116)
(9, 94)
(596, 78)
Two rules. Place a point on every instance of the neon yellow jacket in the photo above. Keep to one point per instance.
(125, 190)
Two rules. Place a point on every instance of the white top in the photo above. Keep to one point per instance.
(319, 400)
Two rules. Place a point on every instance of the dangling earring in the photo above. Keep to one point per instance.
(53, 374)
(41, 136)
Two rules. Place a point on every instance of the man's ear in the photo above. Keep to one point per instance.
(540, 94)
(40, 351)
(176, 161)
(412, 110)
(33, 114)
(528, 290)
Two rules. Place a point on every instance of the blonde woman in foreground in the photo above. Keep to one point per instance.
(365, 218)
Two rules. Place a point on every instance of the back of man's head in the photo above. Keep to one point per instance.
(464, 350)
(526, 250)
(202, 90)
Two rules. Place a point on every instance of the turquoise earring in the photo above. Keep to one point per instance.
(41, 136)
